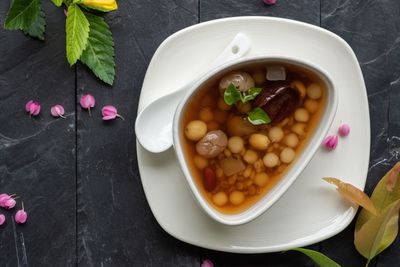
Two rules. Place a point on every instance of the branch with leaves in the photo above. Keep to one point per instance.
(88, 36)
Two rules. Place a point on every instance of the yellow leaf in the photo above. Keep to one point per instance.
(352, 194)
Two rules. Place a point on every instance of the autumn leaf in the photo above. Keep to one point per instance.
(378, 233)
(352, 194)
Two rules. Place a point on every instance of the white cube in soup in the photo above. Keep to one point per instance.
(271, 160)
(276, 73)
(275, 134)
(301, 115)
(287, 155)
(195, 130)
(236, 197)
(235, 144)
(259, 141)
(206, 114)
(291, 140)
(220, 198)
(314, 91)
(311, 105)
(261, 179)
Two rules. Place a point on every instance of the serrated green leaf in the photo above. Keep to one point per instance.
(318, 257)
(22, 14)
(376, 234)
(258, 116)
(99, 52)
(77, 28)
(57, 2)
(37, 28)
(381, 197)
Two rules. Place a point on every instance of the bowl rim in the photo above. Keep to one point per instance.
(278, 190)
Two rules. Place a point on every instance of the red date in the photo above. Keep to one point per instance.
(209, 179)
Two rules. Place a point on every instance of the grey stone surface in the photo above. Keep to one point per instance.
(79, 177)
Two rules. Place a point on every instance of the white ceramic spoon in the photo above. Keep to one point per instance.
(160, 112)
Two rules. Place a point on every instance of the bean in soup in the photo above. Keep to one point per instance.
(243, 130)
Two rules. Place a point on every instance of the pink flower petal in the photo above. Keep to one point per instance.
(87, 101)
(207, 263)
(270, 2)
(32, 107)
(344, 129)
(2, 219)
(330, 142)
(107, 118)
(10, 203)
(21, 216)
(57, 111)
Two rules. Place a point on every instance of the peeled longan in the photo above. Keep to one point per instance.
(314, 91)
(236, 197)
(301, 115)
(250, 156)
(270, 160)
(287, 155)
(311, 105)
(195, 130)
(291, 140)
(235, 144)
(220, 198)
(206, 115)
(261, 179)
(259, 141)
(275, 134)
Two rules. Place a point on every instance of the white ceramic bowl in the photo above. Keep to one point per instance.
(295, 169)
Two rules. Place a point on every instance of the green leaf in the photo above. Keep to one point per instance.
(77, 28)
(382, 197)
(376, 234)
(57, 2)
(258, 116)
(231, 95)
(22, 14)
(250, 94)
(37, 28)
(99, 52)
(318, 258)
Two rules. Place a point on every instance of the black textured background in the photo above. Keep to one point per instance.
(79, 176)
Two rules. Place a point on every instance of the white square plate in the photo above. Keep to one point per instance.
(310, 210)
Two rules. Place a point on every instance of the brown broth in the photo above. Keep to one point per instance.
(211, 91)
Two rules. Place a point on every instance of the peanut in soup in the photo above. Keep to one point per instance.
(243, 131)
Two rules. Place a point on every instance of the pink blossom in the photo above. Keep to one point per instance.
(270, 2)
(32, 107)
(57, 111)
(330, 142)
(7, 201)
(110, 113)
(207, 263)
(344, 129)
(21, 216)
(87, 102)
(2, 219)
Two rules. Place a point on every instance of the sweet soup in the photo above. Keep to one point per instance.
(243, 129)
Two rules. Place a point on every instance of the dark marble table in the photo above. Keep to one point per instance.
(79, 176)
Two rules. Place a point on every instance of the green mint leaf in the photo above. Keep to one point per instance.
(231, 95)
(22, 14)
(77, 28)
(37, 28)
(250, 94)
(318, 257)
(99, 52)
(57, 2)
(258, 116)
